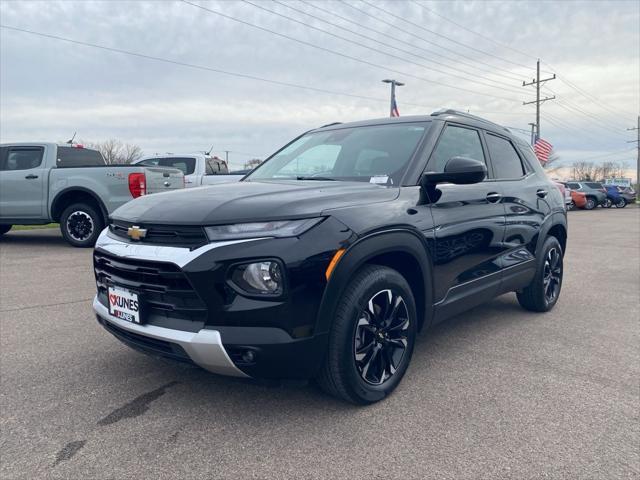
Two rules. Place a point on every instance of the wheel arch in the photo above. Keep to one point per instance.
(556, 227)
(76, 195)
(400, 249)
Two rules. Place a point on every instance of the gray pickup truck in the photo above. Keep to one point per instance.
(45, 182)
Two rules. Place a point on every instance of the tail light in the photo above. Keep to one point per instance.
(137, 184)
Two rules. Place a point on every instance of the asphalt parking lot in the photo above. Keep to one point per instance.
(494, 393)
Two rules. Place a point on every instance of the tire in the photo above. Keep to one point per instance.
(360, 343)
(621, 203)
(5, 228)
(81, 224)
(571, 205)
(607, 203)
(536, 296)
(591, 203)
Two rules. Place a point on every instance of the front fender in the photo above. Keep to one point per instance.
(363, 251)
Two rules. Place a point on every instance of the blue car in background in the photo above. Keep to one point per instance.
(615, 196)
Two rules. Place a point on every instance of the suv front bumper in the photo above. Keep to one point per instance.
(204, 348)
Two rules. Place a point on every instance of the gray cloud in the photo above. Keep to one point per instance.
(49, 88)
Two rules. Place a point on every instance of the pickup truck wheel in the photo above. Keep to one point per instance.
(372, 337)
(544, 290)
(81, 224)
(5, 228)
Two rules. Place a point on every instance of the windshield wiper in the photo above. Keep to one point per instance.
(316, 178)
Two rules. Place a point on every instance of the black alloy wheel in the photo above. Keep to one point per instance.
(373, 332)
(380, 339)
(552, 275)
(81, 225)
(543, 292)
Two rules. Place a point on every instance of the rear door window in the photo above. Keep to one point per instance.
(504, 158)
(456, 142)
(595, 185)
(78, 157)
(573, 186)
(22, 158)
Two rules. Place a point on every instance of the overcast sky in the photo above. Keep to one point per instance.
(50, 88)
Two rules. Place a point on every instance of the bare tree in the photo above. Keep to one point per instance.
(584, 170)
(117, 152)
(253, 163)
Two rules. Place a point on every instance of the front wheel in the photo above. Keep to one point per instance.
(621, 203)
(372, 337)
(5, 228)
(591, 203)
(544, 290)
(81, 224)
(607, 203)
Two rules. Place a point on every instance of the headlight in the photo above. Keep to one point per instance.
(259, 278)
(280, 228)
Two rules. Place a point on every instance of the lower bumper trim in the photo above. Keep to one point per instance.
(204, 347)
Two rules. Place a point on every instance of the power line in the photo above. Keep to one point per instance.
(340, 54)
(412, 45)
(473, 31)
(421, 38)
(477, 50)
(562, 78)
(500, 85)
(202, 67)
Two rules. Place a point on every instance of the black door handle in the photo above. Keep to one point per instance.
(31, 176)
(493, 197)
(541, 193)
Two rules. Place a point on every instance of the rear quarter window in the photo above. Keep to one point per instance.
(78, 157)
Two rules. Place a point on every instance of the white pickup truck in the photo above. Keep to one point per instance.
(198, 168)
(45, 182)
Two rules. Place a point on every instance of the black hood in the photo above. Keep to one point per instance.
(251, 201)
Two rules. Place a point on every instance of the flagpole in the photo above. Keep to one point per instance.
(393, 83)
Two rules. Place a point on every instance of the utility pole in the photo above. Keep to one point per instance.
(537, 82)
(533, 132)
(637, 129)
(393, 108)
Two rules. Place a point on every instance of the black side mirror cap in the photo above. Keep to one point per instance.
(458, 170)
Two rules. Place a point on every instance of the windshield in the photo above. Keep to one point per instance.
(377, 154)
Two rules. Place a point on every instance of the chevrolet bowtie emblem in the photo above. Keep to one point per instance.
(136, 233)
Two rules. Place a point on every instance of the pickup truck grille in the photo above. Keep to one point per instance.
(175, 235)
(163, 288)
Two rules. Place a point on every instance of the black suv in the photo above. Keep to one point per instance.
(327, 260)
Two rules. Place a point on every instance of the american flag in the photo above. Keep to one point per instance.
(394, 107)
(543, 149)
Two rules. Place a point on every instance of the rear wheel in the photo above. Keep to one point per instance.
(621, 203)
(607, 203)
(81, 224)
(591, 203)
(372, 337)
(5, 228)
(544, 290)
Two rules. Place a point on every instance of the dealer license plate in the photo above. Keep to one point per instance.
(124, 304)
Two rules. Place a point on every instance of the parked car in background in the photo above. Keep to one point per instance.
(578, 199)
(44, 182)
(617, 196)
(566, 193)
(199, 169)
(595, 193)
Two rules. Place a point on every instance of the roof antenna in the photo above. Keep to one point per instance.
(71, 141)
(209, 152)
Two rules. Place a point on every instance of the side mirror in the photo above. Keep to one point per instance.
(458, 170)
